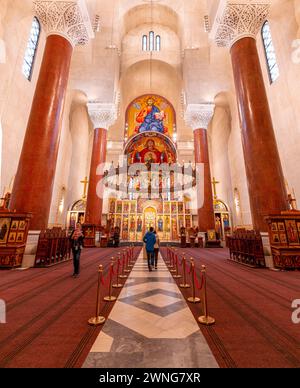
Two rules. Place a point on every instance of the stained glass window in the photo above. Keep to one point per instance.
(31, 48)
(151, 42)
(158, 43)
(145, 43)
(270, 52)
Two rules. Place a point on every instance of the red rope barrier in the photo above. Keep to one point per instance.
(197, 282)
(181, 262)
(106, 279)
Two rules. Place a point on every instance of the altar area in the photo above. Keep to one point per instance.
(135, 217)
(150, 185)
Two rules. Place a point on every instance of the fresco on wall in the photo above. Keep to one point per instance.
(151, 148)
(150, 113)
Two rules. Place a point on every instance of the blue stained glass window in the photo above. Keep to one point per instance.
(270, 52)
(31, 49)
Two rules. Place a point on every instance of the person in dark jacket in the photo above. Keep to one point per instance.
(150, 240)
(76, 239)
(116, 237)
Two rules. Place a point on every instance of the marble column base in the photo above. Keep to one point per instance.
(31, 248)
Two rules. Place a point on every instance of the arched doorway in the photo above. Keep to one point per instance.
(76, 213)
(222, 218)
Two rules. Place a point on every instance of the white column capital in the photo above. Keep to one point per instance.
(67, 18)
(199, 115)
(238, 19)
(102, 115)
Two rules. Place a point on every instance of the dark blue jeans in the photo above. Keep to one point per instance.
(150, 258)
(76, 261)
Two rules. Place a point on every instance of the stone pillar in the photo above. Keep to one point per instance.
(66, 24)
(102, 116)
(236, 26)
(198, 117)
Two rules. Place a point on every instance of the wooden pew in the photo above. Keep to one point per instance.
(246, 247)
(53, 247)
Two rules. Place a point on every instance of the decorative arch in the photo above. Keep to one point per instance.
(150, 113)
(163, 150)
(78, 205)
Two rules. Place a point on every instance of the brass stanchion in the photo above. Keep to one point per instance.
(205, 319)
(110, 297)
(194, 298)
(118, 285)
(127, 270)
(122, 276)
(184, 284)
(177, 275)
(98, 319)
(173, 269)
(129, 263)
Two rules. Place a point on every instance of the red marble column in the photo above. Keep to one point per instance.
(33, 184)
(263, 167)
(206, 218)
(94, 202)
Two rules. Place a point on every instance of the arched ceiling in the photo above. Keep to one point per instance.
(145, 14)
(99, 69)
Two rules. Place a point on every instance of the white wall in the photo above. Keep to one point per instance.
(16, 92)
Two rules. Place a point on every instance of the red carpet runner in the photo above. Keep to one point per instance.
(252, 308)
(47, 313)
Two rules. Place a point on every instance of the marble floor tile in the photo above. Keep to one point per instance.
(160, 300)
(150, 326)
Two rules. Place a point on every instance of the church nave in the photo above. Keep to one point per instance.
(151, 324)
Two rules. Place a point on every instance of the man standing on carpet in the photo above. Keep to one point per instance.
(150, 240)
(76, 246)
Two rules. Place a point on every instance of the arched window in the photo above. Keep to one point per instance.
(145, 43)
(158, 43)
(31, 48)
(151, 40)
(270, 52)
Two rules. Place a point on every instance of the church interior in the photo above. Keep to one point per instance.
(123, 116)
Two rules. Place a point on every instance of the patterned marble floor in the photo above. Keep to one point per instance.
(150, 326)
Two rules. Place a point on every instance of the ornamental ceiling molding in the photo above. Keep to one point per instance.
(199, 115)
(237, 19)
(67, 18)
(102, 115)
